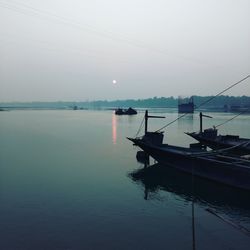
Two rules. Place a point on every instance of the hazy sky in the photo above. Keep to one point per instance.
(72, 50)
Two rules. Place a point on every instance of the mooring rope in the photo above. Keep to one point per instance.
(142, 122)
(218, 151)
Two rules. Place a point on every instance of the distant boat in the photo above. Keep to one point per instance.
(213, 165)
(128, 111)
(236, 108)
(186, 107)
(210, 138)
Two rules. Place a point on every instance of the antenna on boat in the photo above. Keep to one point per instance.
(202, 115)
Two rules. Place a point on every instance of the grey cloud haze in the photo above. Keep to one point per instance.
(73, 50)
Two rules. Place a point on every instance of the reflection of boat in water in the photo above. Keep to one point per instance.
(209, 137)
(222, 198)
(215, 165)
(128, 111)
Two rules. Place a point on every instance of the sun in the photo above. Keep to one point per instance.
(114, 81)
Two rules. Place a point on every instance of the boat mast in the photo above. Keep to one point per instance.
(150, 116)
(146, 121)
(201, 115)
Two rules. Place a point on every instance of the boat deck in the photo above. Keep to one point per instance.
(212, 156)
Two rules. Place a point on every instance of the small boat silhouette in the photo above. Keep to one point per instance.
(128, 111)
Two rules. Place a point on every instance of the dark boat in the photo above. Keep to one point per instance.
(119, 111)
(209, 137)
(186, 107)
(128, 111)
(215, 165)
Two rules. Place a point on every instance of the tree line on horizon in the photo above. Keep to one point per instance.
(155, 102)
(172, 102)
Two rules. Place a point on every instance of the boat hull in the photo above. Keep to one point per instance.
(223, 143)
(128, 111)
(186, 108)
(216, 169)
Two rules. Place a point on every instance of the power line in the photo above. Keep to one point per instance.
(210, 99)
(232, 118)
(35, 12)
(26, 9)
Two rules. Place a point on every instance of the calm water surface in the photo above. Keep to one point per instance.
(65, 183)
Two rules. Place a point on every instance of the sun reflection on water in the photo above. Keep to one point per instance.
(114, 128)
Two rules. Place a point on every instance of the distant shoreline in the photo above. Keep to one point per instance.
(220, 103)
